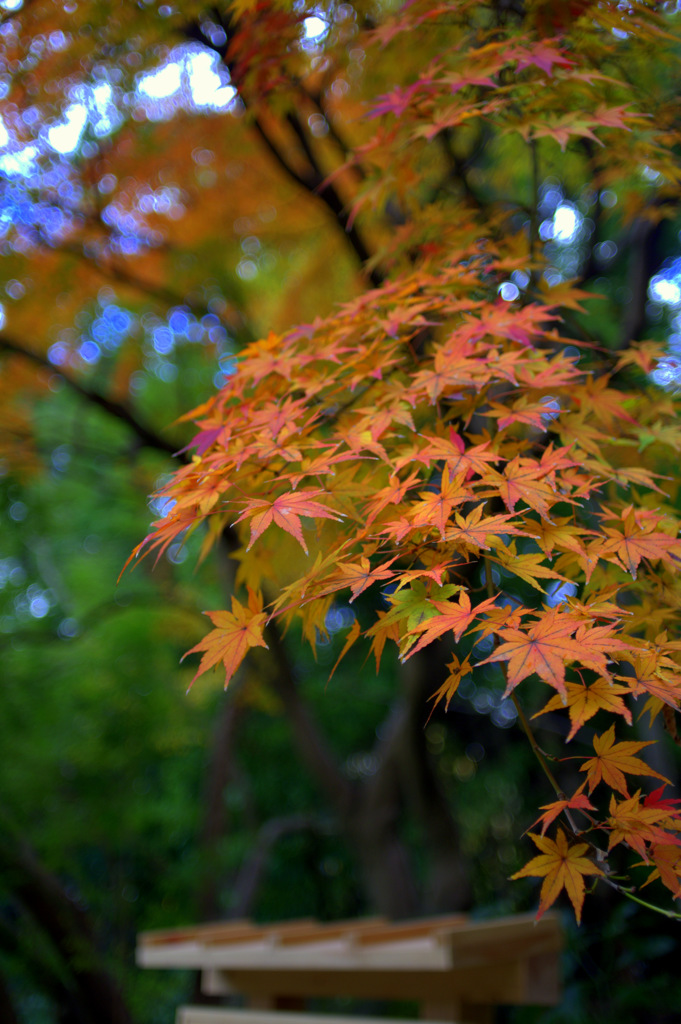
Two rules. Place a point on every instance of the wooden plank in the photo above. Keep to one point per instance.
(217, 1015)
(508, 983)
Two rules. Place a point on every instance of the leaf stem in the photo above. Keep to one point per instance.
(671, 914)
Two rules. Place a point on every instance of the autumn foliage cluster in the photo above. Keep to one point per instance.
(439, 444)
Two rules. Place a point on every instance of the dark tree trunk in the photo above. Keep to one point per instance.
(96, 992)
(218, 774)
(8, 1013)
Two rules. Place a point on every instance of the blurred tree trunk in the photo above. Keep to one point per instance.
(97, 996)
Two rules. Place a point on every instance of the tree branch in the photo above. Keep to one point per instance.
(314, 182)
(146, 437)
(251, 873)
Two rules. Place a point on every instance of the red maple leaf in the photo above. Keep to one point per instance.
(541, 55)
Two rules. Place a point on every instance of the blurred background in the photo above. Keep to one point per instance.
(154, 220)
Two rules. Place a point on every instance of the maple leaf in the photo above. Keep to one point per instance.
(285, 511)
(359, 576)
(667, 860)
(415, 603)
(656, 674)
(532, 412)
(476, 532)
(613, 759)
(528, 567)
(578, 802)
(606, 404)
(562, 867)
(541, 55)
(457, 671)
(352, 636)
(392, 494)
(544, 648)
(638, 540)
(455, 617)
(458, 457)
(635, 824)
(395, 102)
(561, 533)
(435, 507)
(524, 480)
(584, 701)
(234, 633)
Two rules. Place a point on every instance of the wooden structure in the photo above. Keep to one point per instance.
(454, 968)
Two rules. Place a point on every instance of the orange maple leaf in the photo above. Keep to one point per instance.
(524, 480)
(562, 867)
(577, 802)
(638, 540)
(544, 649)
(457, 670)
(474, 531)
(392, 494)
(636, 824)
(235, 632)
(285, 511)
(667, 859)
(435, 506)
(359, 575)
(454, 452)
(455, 618)
(613, 759)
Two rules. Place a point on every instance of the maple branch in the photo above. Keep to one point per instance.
(524, 723)
(673, 915)
(539, 754)
(115, 272)
(145, 435)
(333, 132)
(314, 183)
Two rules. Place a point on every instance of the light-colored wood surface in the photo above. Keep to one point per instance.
(448, 961)
(213, 1015)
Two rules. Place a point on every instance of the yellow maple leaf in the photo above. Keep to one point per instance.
(562, 867)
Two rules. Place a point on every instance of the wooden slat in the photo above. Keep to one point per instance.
(396, 931)
(215, 1015)
(229, 931)
(281, 932)
(324, 931)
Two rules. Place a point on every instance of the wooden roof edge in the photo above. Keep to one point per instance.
(231, 930)
(422, 927)
(329, 930)
(361, 931)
